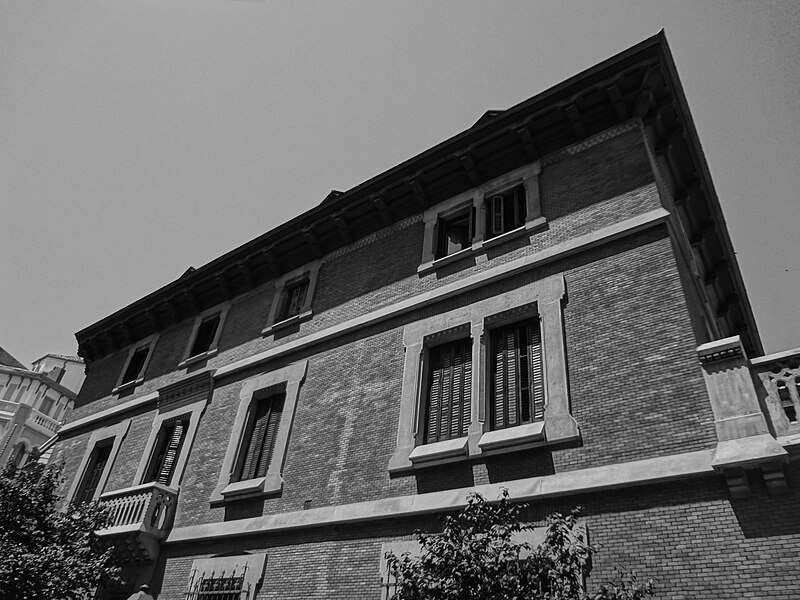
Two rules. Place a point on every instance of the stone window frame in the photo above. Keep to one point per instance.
(282, 285)
(116, 432)
(252, 565)
(287, 379)
(475, 200)
(222, 310)
(195, 411)
(543, 298)
(148, 342)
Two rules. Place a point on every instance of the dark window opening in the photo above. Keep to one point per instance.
(454, 233)
(506, 211)
(206, 333)
(168, 447)
(516, 375)
(97, 464)
(260, 436)
(135, 365)
(294, 299)
(447, 414)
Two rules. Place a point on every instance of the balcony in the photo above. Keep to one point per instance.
(777, 379)
(140, 518)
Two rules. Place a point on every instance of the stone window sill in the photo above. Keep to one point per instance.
(477, 247)
(250, 488)
(514, 437)
(198, 358)
(439, 450)
(127, 386)
(299, 318)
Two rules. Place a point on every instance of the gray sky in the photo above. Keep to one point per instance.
(140, 137)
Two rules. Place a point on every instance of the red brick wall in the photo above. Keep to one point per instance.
(689, 536)
(604, 184)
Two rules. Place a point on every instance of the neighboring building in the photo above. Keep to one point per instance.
(548, 302)
(35, 402)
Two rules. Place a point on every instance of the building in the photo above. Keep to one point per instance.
(548, 301)
(35, 402)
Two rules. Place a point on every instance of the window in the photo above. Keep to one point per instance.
(506, 211)
(486, 215)
(89, 486)
(98, 459)
(294, 294)
(447, 415)
(168, 447)
(454, 233)
(205, 335)
(488, 377)
(261, 434)
(294, 298)
(226, 577)
(136, 364)
(47, 405)
(516, 375)
(253, 463)
(180, 408)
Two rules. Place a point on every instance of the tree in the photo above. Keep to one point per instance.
(46, 553)
(476, 556)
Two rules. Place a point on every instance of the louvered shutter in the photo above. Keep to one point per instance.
(264, 431)
(274, 419)
(536, 372)
(497, 215)
(259, 430)
(171, 449)
(449, 391)
(518, 382)
(92, 477)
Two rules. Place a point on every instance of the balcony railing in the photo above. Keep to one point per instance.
(777, 379)
(42, 421)
(6, 406)
(140, 517)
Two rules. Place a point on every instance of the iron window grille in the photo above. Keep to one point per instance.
(219, 586)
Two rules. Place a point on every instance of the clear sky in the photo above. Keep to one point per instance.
(140, 137)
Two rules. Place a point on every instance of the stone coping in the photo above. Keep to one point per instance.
(640, 472)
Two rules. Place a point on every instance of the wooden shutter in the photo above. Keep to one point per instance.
(261, 442)
(295, 299)
(449, 391)
(517, 375)
(92, 477)
(166, 462)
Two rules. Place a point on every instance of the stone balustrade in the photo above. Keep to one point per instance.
(140, 517)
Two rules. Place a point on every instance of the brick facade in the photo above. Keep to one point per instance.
(633, 315)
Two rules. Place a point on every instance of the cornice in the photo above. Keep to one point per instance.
(639, 84)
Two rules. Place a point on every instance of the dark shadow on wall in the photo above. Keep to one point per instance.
(607, 170)
(535, 462)
(768, 515)
(244, 509)
(445, 477)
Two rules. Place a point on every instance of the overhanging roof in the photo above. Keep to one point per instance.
(640, 82)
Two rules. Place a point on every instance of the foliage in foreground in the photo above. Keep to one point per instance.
(476, 556)
(47, 554)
